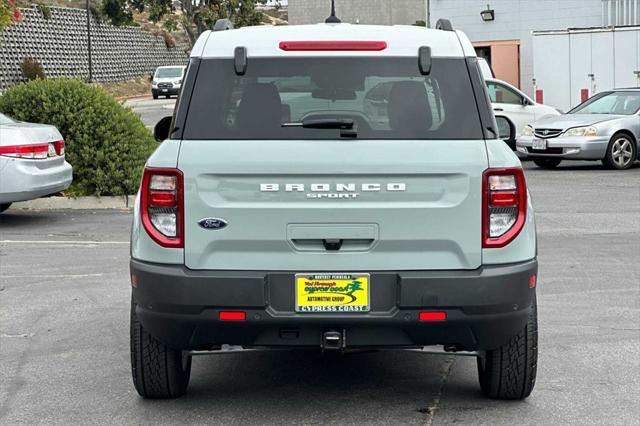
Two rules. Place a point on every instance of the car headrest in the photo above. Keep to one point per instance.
(260, 108)
(408, 108)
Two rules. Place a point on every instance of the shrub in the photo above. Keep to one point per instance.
(32, 69)
(171, 23)
(106, 143)
(45, 10)
(9, 13)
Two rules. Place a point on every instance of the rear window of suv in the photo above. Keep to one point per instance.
(387, 98)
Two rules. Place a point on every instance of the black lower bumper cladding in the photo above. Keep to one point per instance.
(484, 308)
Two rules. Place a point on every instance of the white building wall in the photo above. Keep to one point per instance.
(515, 19)
(571, 61)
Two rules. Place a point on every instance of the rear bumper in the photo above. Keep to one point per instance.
(30, 179)
(485, 308)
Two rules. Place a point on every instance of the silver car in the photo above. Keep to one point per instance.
(32, 161)
(605, 127)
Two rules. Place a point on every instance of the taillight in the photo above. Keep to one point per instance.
(58, 146)
(504, 206)
(162, 206)
(31, 152)
(38, 151)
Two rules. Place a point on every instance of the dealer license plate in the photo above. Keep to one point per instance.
(332, 292)
(539, 144)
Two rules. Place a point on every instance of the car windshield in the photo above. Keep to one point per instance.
(6, 120)
(173, 72)
(305, 98)
(625, 103)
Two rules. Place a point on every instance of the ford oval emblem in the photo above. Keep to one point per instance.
(212, 223)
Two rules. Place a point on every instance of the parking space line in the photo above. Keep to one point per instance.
(62, 242)
(53, 276)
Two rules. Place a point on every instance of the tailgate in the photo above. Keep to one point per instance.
(333, 205)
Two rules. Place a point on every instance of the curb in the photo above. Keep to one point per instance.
(128, 98)
(78, 203)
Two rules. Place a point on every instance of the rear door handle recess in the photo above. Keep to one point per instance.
(333, 244)
(323, 237)
(498, 109)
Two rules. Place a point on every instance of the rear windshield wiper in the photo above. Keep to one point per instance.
(346, 126)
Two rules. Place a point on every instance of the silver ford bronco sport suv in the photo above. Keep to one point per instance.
(333, 186)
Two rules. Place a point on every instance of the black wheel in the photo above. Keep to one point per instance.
(4, 207)
(621, 152)
(158, 370)
(155, 96)
(509, 372)
(547, 163)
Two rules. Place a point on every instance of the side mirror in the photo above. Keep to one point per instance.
(162, 129)
(506, 130)
(524, 102)
(151, 77)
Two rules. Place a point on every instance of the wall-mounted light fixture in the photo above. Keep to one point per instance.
(488, 14)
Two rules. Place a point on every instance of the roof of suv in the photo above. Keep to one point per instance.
(264, 40)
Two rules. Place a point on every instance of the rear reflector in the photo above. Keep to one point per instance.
(232, 316)
(432, 316)
(297, 46)
(532, 281)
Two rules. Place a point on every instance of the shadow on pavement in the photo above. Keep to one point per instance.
(329, 386)
(16, 218)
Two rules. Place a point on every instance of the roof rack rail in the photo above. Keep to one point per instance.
(223, 25)
(444, 25)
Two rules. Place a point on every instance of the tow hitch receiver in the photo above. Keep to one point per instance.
(333, 340)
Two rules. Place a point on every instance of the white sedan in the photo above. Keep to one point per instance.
(518, 108)
(32, 161)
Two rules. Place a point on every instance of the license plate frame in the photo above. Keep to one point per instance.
(539, 144)
(334, 301)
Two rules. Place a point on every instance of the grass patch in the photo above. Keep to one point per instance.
(141, 86)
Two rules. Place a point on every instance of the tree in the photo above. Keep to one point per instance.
(9, 13)
(118, 11)
(194, 16)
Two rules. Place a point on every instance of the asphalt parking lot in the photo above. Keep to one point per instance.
(152, 110)
(64, 343)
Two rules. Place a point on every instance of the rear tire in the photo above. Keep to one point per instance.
(155, 96)
(547, 163)
(509, 372)
(158, 370)
(621, 152)
(4, 207)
